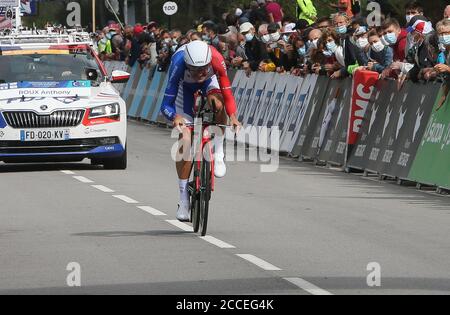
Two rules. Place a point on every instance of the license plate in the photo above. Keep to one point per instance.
(44, 135)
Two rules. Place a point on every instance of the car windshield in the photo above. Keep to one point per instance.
(43, 66)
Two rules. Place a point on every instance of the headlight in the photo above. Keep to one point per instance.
(109, 110)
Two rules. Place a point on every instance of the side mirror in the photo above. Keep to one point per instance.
(119, 76)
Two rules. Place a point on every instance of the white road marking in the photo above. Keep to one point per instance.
(259, 262)
(152, 211)
(181, 225)
(125, 199)
(83, 179)
(68, 172)
(217, 242)
(103, 188)
(307, 286)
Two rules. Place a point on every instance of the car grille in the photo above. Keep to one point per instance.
(74, 145)
(61, 118)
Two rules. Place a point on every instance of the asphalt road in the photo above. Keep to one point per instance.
(301, 230)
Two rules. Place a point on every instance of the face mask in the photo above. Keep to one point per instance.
(331, 46)
(444, 40)
(341, 30)
(378, 46)
(265, 39)
(362, 43)
(175, 42)
(206, 38)
(108, 36)
(167, 40)
(390, 38)
(384, 41)
(313, 44)
(327, 53)
(275, 37)
(302, 51)
(249, 37)
(286, 38)
(409, 18)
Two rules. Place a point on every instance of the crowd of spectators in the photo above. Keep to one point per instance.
(260, 36)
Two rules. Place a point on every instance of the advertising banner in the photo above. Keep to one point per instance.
(334, 146)
(431, 165)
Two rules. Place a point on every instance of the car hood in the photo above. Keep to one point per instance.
(45, 97)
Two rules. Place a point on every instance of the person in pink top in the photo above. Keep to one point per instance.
(275, 12)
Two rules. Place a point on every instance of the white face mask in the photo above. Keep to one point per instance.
(274, 37)
(409, 18)
(378, 46)
(362, 42)
(265, 39)
(313, 44)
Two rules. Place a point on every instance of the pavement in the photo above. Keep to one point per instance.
(300, 230)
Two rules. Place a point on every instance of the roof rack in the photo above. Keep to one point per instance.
(49, 36)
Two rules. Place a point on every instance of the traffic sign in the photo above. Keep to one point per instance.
(170, 8)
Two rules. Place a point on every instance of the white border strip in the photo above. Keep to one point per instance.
(217, 242)
(103, 188)
(307, 286)
(152, 211)
(259, 262)
(83, 179)
(181, 225)
(68, 172)
(125, 199)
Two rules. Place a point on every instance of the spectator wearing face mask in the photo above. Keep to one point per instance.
(396, 37)
(380, 56)
(412, 9)
(254, 49)
(333, 49)
(301, 60)
(424, 52)
(210, 32)
(275, 46)
(361, 40)
(341, 23)
(443, 66)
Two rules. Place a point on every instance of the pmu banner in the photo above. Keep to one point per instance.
(325, 114)
(333, 148)
(311, 115)
(374, 131)
(363, 87)
(414, 113)
(431, 165)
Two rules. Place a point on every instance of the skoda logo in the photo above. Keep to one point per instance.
(44, 107)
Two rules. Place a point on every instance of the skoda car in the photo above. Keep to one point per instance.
(57, 104)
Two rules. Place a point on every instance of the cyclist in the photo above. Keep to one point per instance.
(197, 66)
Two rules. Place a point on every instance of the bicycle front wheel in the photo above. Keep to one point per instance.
(205, 193)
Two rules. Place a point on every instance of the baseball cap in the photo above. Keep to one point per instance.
(289, 28)
(245, 27)
(422, 27)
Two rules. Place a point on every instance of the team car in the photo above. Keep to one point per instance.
(57, 103)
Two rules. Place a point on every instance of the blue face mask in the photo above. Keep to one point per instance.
(390, 38)
(286, 38)
(444, 40)
(206, 38)
(331, 46)
(341, 30)
(249, 37)
(302, 51)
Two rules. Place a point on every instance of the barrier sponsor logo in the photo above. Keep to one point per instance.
(363, 87)
(431, 165)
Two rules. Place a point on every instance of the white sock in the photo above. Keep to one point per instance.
(184, 193)
(218, 145)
